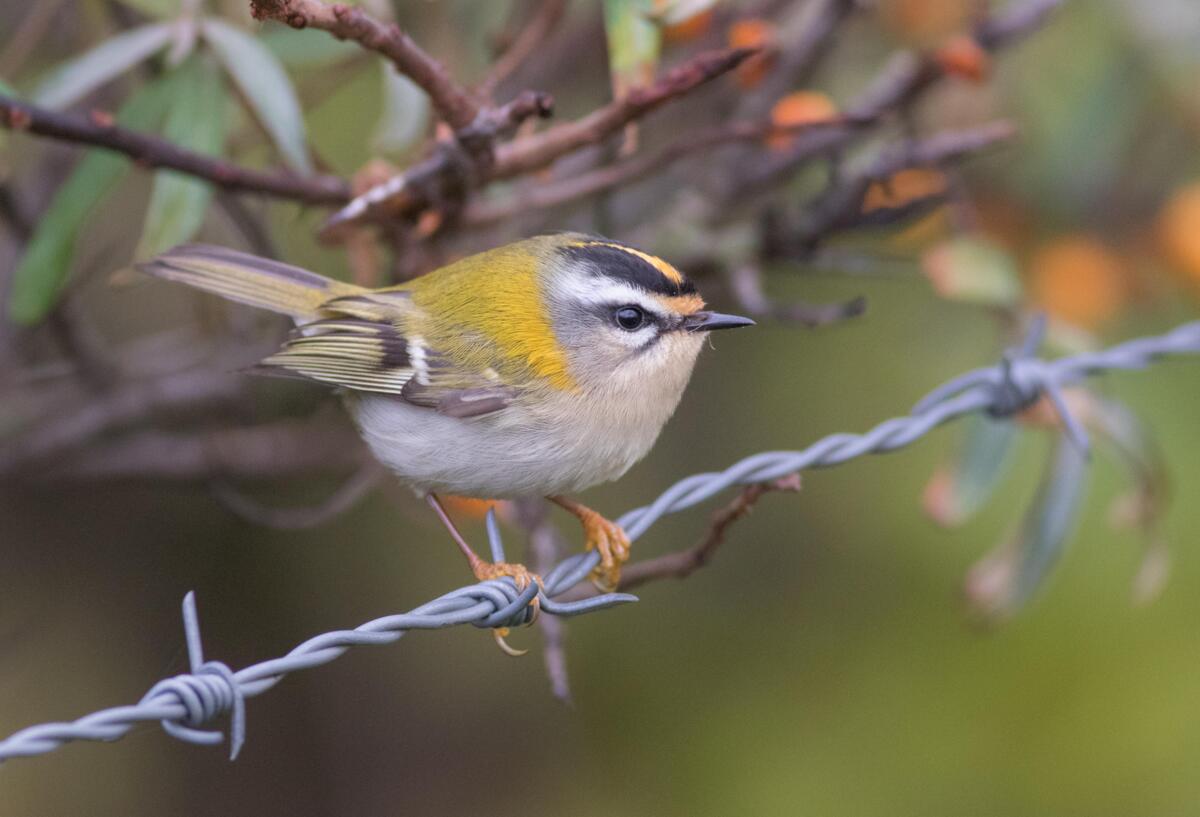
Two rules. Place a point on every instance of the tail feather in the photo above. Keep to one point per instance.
(249, 279)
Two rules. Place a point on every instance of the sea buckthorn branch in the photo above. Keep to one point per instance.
(147, 150)
(454, 103)
(407, 193)
(186, 703)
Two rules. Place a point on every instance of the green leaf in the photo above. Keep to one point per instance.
(308, 47)
(1004, 580)
(43, 270)
(973, 270)
(673, 12)
(158, 9)
(633, 42)
(266, 87)
(195, 121)
(7, 89)
(75, 78)
(403, 113)
(959, 488)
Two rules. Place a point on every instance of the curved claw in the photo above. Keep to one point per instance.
(499, 634)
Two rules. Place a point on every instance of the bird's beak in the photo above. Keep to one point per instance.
(708, 321)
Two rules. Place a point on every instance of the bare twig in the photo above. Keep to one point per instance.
(636, 168)
(546, 549)
(281, 449)
(454, 103)
(347, 495)
(151, 151)
(746, 284)
(839, 207)
(683, 563)
(531, 35)
(903, 78)
(541, 149)
(133, 402)
(443, 175)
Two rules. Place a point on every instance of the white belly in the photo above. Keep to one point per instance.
(513, 452)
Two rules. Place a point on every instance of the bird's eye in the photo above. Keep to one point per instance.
(629, 318)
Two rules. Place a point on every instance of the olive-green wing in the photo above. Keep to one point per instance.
(367, 346)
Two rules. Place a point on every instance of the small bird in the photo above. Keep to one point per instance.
(539, 368)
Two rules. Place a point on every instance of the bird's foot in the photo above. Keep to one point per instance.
(522, 577)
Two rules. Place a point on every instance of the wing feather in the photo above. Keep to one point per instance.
(366, 347)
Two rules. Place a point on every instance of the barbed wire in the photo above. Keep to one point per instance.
(184, 704)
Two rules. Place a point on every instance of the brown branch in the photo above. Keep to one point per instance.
(839, 207)
(746, 284)
(453, 103)
(803, 40)
(445, 176)
(636, 168)
(98, 130)
(271, 451)
(905, 76)
(527, 41)
(346, 496)
(682, 563)
(132, 403)
(541, 149)
(545, 549)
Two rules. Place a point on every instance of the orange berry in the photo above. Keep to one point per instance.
(962, 56)
(797, 109)
(753, 32)
(925, 22)
(1179, 230)
(903, 187)
(693, 28)
(1077, 279)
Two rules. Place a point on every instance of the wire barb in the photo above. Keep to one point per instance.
(186, 702)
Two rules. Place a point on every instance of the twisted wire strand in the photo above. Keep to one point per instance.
(185, 703)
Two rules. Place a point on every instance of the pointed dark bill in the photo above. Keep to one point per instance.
(709, 321)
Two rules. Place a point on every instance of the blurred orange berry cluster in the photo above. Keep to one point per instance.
(1179, 231)
(1078, 279)
(795, 110)
(753, 32)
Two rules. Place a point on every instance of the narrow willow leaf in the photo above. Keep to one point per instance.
(8, 91)
(308, 47)
(158, 9)
(72, 80)
(973, 270)
(43, 270)
(266, 87)
(196, 120)
(633, 43)
(1143, 507)
(673, 12)
(1004, 580)
(960, 487)
(403, 113)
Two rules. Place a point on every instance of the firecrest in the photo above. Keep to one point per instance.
(539, 368)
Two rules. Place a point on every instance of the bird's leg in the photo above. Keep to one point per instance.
(483, 569)
(606, 537)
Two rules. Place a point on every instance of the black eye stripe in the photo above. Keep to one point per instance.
(617, 264)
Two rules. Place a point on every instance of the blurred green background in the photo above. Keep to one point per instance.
(825, 663)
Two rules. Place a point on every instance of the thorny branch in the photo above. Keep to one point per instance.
(683, 563)
(99, 130)
(436, 179)
(454, 103)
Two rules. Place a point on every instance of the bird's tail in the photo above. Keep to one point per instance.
(249, 279)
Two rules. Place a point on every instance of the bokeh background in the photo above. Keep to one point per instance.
(831, 659)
